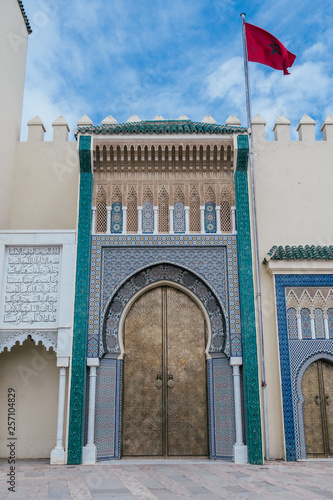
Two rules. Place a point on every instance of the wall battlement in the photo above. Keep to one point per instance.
(281, 129)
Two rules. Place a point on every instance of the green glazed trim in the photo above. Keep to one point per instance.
(306, 252)
(161, 127)
(81, 307)
(246, 288)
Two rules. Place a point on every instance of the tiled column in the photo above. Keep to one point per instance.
(327, 332)
(240, 450)
(187, 220)
(89, 450)
(218, 219)
(313, 329)
(233, 220)
(124, 220)
(155, 220)
(171, 231)
(93, 220)
(202, 219)
(108, 220)
(299, 327)
(139, 220)
(58, 453)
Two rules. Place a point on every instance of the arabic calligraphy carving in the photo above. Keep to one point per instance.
(32, 285)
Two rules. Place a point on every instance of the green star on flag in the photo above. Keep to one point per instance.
(264, 48)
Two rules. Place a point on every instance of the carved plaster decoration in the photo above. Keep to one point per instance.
(8, 339)
(31, 286)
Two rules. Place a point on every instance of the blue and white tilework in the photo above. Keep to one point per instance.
(295, 357)
(212, 259)
(221, 408)
(116, 218)
(105, 408)
(210, 217)
(147, 218)
(179, 217)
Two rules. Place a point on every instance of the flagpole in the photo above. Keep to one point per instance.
(256, 248)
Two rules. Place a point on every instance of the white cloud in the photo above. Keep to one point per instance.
(227, 81)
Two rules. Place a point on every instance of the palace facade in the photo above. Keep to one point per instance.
(130, 319)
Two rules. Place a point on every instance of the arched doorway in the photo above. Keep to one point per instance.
(317, 388)
(164, 382)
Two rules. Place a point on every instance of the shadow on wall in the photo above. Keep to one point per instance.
(30, 373)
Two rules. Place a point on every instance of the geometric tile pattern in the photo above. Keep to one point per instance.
(249, 334)
(210, 217)
(319, 323)
(207, 265)
(109, 341)
(295, 356)
(147, 218)
(105, 412)
(116, 218)
(115, 259)
(306, 323)
(292, 323)
(223, 408)
(179, 217)
(80, 322)
(330, 322)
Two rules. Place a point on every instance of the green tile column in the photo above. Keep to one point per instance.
(248, 320)
(81, 306)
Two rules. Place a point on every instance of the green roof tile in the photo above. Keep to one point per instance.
(161, 127)
(301, 252)
(26, 20)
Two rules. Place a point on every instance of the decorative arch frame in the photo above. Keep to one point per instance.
(152, 276)
(294, 354)
(300, 398)
(48, 340)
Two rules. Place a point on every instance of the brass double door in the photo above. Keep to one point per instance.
(317, 388)
(164, 380)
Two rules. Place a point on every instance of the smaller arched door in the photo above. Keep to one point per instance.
(164, 383)
(317, 388)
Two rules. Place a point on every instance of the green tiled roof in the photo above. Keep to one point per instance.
(161, 127)
(26, 20)
(306, 252)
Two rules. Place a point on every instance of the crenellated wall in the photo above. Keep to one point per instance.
(293, 187)
(293, 182)
(46, 175)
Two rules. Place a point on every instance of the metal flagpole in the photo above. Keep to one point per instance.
(256, 249)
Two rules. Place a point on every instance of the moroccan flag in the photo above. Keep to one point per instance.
(264, 48)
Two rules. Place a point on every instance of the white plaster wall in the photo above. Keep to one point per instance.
(45, 187)
(293, 182)
(32, 372)
(13, 52)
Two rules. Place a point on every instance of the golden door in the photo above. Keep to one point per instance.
(165, 386)
(317, 387)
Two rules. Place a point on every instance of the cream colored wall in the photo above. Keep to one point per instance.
(293, 182)
(32, 372)
(13, 52)
(45, 187)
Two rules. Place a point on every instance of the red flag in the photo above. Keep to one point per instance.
(264, 48)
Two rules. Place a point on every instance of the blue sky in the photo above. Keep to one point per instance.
(173, 57)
